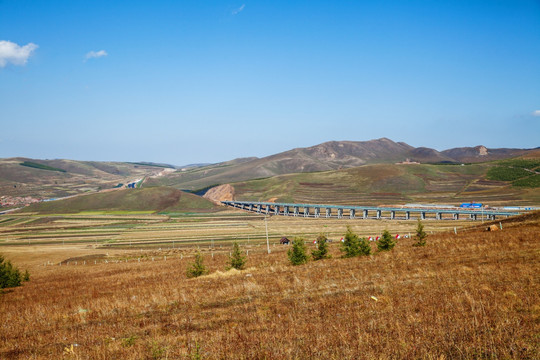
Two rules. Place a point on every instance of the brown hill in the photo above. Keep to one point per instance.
(331, 155)
(480, 153)
(327, 156)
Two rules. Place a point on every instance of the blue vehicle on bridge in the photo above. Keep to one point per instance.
(471, 205)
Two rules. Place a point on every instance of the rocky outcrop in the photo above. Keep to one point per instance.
(220, 193)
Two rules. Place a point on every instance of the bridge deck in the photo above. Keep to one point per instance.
(270, 206)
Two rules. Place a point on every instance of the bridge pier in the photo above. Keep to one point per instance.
(259, 209)
(364, 214)
(295, 213)
(268, 209)
(286, 210)
(317, 212)
(352, 213)
(276, 209)
(438, 216)
(392, 215)
(423, 215)
(379, 212)
(306, 211)
(340, 213)
(473, 216)
(456, 216)
(407, 215)
(328, 212)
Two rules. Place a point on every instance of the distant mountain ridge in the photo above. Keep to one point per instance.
(332, 155)
(78, 177)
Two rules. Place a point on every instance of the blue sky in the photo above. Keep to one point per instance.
(190, 81)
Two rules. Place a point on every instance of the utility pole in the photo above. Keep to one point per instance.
(267, 242)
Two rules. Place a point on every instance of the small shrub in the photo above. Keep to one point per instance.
(236, 260)
(364, 247)
(298, 253)
(386, 242)
(197, 268)
(157, 350)
(351, 244)
(129, 341)
(420, 235)
(196, 353)
(10, 276)
(322, 248)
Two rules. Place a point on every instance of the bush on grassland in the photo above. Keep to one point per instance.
(197, 268)
(298, 253)
(386, 242)
(236, 259)
(10, 276)
(322, 248)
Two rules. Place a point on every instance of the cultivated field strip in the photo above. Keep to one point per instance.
(101, 231)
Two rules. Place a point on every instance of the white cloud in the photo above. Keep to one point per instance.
(536, 113)
(237, 11)
(15, 54)
(96, 54)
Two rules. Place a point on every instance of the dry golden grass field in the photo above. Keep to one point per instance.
(114, 286)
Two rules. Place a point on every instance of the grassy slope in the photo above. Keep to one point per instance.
(146, 199)
(474, 295)
(388, 184)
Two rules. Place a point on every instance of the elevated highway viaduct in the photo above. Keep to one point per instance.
(366, 212)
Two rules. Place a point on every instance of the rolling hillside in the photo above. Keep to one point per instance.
(157, 199)
(24, 181)
(38, 179)
(332, 155)
(390, 184)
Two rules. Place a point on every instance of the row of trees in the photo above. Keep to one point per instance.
(10, 276)
(351, 246)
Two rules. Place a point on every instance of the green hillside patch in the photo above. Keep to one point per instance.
(507, 173)
(127, 200)
(531, 182)
(521, 163)
(40, 166)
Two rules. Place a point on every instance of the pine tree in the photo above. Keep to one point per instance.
(364, 247)
(236, 259)
(197, 268)
(298, 253)
(10, 276)
(322, 248)
(420, 235)
(351, 244)
(386, 242)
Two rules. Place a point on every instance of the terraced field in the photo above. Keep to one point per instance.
(55, 238)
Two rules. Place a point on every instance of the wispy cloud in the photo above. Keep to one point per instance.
(14, 53)
(95, 54)
(536, 113)
(237, 11)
